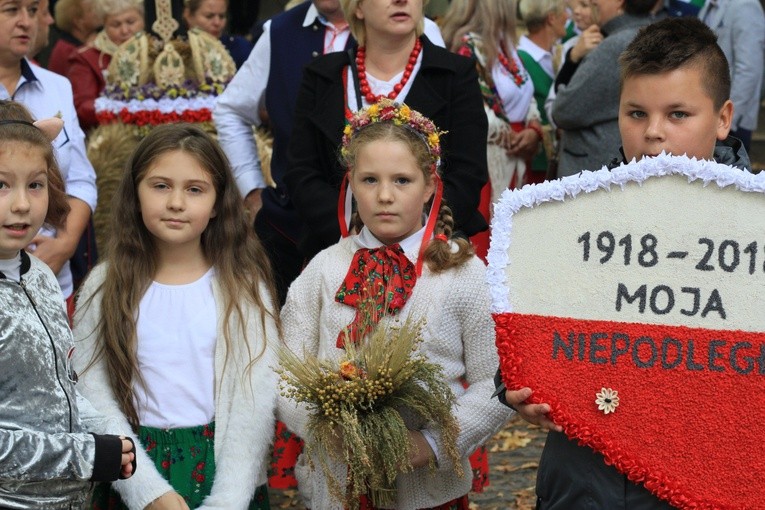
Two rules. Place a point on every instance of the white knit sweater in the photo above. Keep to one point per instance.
(458, 335)
(244, 405)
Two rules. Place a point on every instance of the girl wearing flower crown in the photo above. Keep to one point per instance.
(173, 331)
(392, 155)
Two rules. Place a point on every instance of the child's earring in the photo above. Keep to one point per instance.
(51, 127)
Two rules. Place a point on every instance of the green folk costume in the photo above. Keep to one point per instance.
(543, 82)
(185, 458)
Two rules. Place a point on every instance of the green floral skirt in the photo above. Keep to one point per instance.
(186, 458)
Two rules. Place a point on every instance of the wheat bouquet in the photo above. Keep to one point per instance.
(355, 406)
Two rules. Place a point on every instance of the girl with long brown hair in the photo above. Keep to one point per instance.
(173, 330)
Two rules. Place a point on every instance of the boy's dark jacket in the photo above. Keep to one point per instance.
(728, 152)
(732, 152)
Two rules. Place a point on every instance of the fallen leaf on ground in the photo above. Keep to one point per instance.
(507, 440)
(509, 468)
(525, 499)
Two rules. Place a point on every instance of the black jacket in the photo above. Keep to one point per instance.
(729, 152)
(445, 90)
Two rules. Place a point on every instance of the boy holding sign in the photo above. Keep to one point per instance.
(675, 99)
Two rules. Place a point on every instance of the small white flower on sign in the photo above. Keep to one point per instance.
(607, 400)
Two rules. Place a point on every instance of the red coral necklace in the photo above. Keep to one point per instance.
(371, 98)
(510, 64)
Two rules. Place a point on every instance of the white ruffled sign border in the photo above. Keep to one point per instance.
(588, 181)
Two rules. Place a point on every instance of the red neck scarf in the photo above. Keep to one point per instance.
(383, 275)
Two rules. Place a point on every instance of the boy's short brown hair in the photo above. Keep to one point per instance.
(674, 43)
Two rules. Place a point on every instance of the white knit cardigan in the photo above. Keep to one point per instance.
(244, 404)
(458, 335)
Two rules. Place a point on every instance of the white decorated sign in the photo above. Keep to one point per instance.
(632, 299)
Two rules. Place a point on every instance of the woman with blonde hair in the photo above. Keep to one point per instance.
(88, 65)
(458, 15)
(489, 36)
(395, 61)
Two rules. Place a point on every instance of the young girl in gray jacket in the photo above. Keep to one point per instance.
(48, 455)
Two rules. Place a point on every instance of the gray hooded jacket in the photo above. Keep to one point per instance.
(587, 108)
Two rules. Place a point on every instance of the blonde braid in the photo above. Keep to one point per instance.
(356, 224)
(439, 255)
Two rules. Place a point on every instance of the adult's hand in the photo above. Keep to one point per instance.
(505, 138)
(525, 144)
(253, 202)
(588, 41)
(55, 251)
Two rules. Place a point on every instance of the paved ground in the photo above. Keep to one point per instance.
(513, 459)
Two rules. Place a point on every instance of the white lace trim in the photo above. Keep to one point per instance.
(164, 105)
(587, 181)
